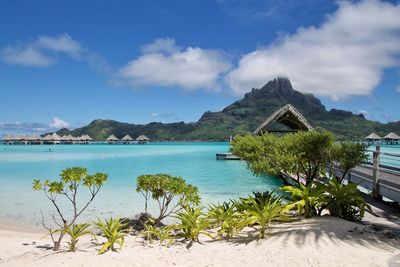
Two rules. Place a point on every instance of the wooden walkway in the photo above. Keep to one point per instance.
(226, 156)
(380, 178)
(388, 184)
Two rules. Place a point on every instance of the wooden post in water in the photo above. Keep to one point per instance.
(375, 174)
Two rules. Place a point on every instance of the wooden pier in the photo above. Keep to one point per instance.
(378, 176)
(226, 156)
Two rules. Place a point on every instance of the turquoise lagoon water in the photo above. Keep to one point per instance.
(217, 180)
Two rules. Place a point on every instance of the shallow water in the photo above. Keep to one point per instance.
(195, 162)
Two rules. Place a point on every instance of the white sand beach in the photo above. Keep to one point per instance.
(323, 241)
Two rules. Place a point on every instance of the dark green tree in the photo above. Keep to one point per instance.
(301, 153)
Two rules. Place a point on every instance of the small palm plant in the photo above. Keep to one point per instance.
(343, 201)
(263, 211)
(226, 218)
(75, 232)
(305, 198)
(162, 234)
(193, 222)
(114, 230)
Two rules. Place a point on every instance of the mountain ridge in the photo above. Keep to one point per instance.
(243, 116)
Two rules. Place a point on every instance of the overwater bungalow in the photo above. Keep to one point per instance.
(35, 140)
(373, 138)
(85, 139)
(47, 139)
(392, 138)
(127, 139)
(142, 139)
(112, 139)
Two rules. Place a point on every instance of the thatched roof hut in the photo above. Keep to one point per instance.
(48, 137)
(142, 138)
(127, 138)
(36, 137)
(8, 137)
(392, 136)
(112, 138)
(373, 137)
(289, 116)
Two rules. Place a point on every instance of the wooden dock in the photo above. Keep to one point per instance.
(381, 178)
(226, 156)
(381, 175)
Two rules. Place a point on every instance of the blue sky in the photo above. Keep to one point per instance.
(65, 63)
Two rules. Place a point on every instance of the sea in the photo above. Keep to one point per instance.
(217, 180)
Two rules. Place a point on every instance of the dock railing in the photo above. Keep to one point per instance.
(385, 171)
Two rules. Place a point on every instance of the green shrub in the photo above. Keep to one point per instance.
(164, 189)
(305, 153)
(262, 209)
(75, 231)
(347, 155)
(162, 234)
(304, 198)
(193, 222)
(114, 231)
(343, 201)
(227, 218)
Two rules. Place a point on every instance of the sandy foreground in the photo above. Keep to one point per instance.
(324, 241)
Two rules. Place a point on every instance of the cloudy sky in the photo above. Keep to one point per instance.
(65, 63)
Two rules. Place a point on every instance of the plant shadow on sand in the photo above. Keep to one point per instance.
(320, 230)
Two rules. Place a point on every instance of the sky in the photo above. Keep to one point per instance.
(66, 63)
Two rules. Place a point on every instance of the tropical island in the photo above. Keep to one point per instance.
(243, 116)
(200, 133)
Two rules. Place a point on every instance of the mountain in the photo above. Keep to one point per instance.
(244, 116)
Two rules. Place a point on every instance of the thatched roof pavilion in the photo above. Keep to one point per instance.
(392, 136)
(47, 137)
(289, 116)
(142, 139)
(127, 138)
(112, 139)
(373, 137)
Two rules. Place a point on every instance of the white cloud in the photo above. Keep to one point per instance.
(61, 43)
(42, 51)
(58, 123)
(28, 56)
(166, 45)
(345, 56)
(163, 63)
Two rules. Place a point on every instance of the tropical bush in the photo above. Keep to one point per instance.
(226, 218)
(305, 153)
(163, 234)
(304, 198)
(343, 201)
(114, 230)
(262, 209)
(165, 189)
(347, 155)
(193, 223)
(75, 232)
(71, 180)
